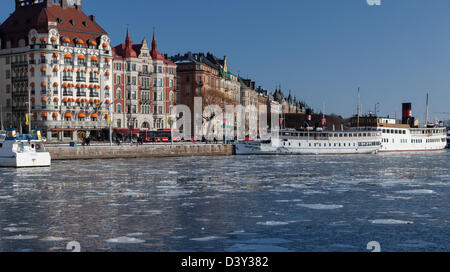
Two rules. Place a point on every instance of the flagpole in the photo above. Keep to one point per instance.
(1, 115)
(110, 122)
(29, 111)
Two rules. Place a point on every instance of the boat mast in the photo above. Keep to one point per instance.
(426, 112)
(359, 107)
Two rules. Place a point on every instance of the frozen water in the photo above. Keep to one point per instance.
(241, 203)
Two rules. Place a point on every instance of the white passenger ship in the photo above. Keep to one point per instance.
(308, 142)
(23, 151)
(408, 136)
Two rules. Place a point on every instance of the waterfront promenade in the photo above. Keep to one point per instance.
(102, 151)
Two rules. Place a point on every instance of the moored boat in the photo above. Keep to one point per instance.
(313, 142)
(409, 136)
(23, 151)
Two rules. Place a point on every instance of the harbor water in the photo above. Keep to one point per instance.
(232, 204)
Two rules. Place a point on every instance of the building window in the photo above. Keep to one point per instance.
(171, 83)
(119, 109)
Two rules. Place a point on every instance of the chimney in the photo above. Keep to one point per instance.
(406, 113)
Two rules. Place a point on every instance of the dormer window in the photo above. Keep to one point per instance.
(80, 43)
(66, 41)
(72, 22)
(92, 44)
(85, 23)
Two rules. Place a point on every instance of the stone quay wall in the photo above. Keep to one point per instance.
(143, 151)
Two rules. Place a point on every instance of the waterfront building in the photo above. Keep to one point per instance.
(58, 58)
(144, 87)
(289, 104)
(205, 76)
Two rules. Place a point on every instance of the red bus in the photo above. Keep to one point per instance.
(165, 135)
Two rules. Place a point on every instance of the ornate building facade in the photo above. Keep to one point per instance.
(56, 61)
(144, 87)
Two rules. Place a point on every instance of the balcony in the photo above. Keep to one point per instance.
(67, 78)
(19, 63)
(94, 94)
(19, 78)
(93, 80)
(67, 93)
(145, 73)
(146, 87)
(100, 123)
(32, 61)
(81, 93)
(20, 94)
(145, 101)
(81, 79)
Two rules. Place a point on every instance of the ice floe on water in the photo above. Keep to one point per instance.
(20, 237)
(154, 212)
(273, 223)
(125, 240)
(256, 248)
(53, 239)
(135, 234)
(17, 229)
(321, 206)
(207, 238)
(416, 192)
(390, 222)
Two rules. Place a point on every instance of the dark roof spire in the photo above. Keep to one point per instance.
(154, 44)
(127, 39)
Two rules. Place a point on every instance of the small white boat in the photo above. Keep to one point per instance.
(23, 151)
(293, 142)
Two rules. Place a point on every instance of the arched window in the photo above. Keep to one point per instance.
(118, 93)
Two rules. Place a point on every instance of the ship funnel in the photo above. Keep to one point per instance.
(406, 113)
(308, 115)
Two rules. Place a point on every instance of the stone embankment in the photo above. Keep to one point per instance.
(65, 152)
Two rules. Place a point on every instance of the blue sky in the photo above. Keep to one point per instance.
(320, 49)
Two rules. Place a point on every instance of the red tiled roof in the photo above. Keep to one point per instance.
(72, 23)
